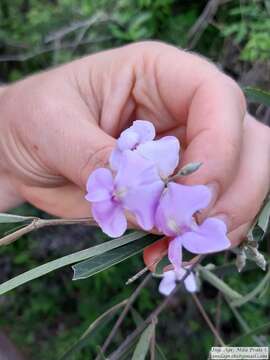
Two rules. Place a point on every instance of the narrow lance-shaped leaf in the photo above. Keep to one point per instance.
(68, 260)
(258, 95)
(264, 217)
(142, 347)
(102, 262)
(10, 218)
(251, 332)
(218, 283)
(252, 294)
(138, 320)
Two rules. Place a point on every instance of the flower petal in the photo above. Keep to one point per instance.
(128, 140)
(190, 283)
(115, 159)
(175, 253)
(209, 237)
(167, 283)
(142, 202)
(110, 217)
(136, 171)
(99, 185)
(177, 206)
(145, 130)
(140, 132)
(164, 153)
(140, 187)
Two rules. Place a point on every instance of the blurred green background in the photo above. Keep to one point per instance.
(45, 317)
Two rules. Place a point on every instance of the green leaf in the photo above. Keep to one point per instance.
(142, 347)
(258, 95)
(68, 260)
(252, 294)
(243, 324)
(218, 284)
(104, 261)
(10, 218)
(138, 320)
(264, 217)
(94, 329)
(251, 332)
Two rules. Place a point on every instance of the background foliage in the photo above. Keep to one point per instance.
(49, 314)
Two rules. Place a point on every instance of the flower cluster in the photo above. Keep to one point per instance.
(139, 183)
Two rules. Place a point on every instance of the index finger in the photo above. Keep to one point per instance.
(211, 107)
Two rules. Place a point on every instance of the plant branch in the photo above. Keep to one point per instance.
(203, 21)
(219, 301)
(40, 223)
(207, 319)
(117, 353)
(50, 48)
(123, 314)
(153, 342)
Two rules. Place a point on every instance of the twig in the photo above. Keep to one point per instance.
(117, 353)
(123, 314)
(47, 49)
(40, 223)
(137, 275)
(207, 319)
(219, 302)
(203, 21)
(145, 269)
(153, 342)
(74, 26)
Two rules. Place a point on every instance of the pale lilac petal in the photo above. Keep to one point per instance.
(163, 215)
(167, 283)
(110, 217)
(140, 132)
(142, 202)
(164, 153)
(209, 237)
(177, 206)
(99, 185)
(190, 283)
(136, 171)
(175, 253)
(115, 159)
(140, 187)
(128, 140)
(145, 130)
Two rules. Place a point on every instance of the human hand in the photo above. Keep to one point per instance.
(57, 126)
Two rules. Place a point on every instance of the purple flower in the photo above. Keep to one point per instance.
(136, 187)
(164, 153)
(168, 282)
(140, 132)
(174, 217)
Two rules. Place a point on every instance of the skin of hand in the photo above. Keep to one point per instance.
(59, 125)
